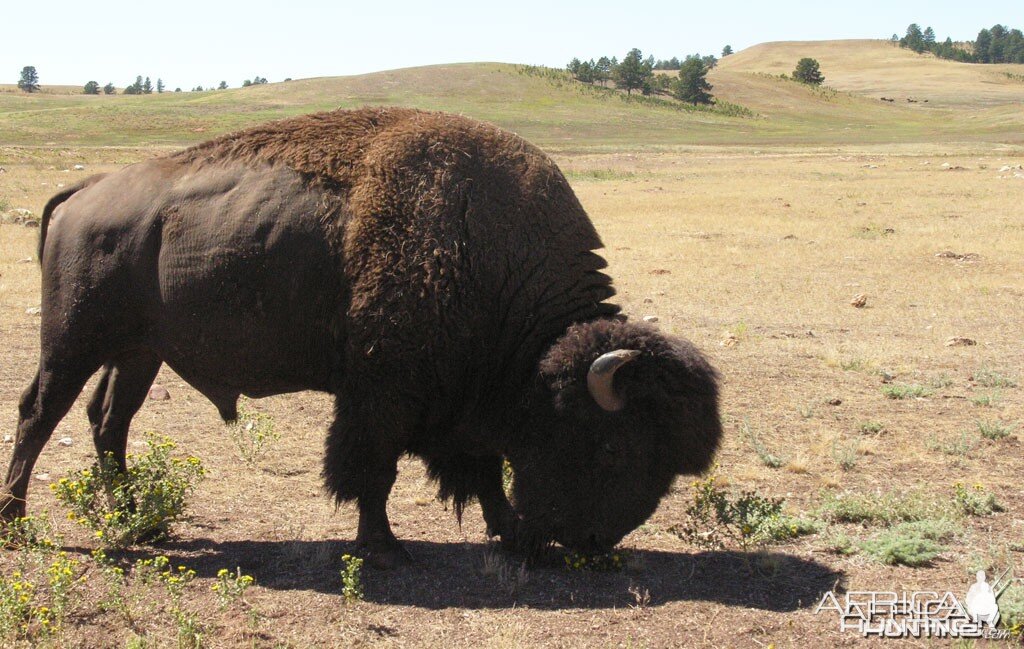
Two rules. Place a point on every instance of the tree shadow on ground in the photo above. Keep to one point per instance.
(447, 575)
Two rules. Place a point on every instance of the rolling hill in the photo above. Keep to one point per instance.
(875, 69)
(966, 103)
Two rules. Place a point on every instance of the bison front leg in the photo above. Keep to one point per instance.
(498, 514)
(462, 477)
(361, 464)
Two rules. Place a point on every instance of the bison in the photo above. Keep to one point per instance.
(436, 274)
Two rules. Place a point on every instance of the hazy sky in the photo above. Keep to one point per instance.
(188, 42)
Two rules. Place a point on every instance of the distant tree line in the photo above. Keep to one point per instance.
(996, 45)
(28, 81)
(635, 72)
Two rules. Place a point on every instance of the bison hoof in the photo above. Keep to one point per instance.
(385, 555)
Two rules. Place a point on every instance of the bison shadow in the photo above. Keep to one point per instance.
(447, 575)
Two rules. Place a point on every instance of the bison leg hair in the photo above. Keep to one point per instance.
(361, 464)
(462, 477)
(45, 402)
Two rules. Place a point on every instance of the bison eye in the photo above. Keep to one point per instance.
(609, 448)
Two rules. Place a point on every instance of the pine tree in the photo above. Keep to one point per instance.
(29, 81)
(147, 87)
(692, 85)
(109, 89)
(160, 85)
(91, 88)
(929, 36)
(726, 51)
(223, 85)
(602, 70)
(634, 70)
(135, 88)
(982, 45)
(808, 71)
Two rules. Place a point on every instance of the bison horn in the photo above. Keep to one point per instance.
(601, 374)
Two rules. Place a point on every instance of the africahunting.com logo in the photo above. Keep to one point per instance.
(921, 614)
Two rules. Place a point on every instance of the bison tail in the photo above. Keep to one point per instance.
(52, 204)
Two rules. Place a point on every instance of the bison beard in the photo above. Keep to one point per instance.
(434, 273)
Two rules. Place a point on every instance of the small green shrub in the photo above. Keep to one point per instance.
(838, 542)
(845, 455)
(905, 391)
(871, 427)
(993, 379)
(123, 509)
(960, 446)
(994, 429)
(767, 458)
(231, 586)
(912, 544)
(749, 520)
(507, 477)
(976, 501)
(987, 400)
(1011, 608)
(175, 582)
(883, 508)
(351, 579)
(253, 433)
(38, 594)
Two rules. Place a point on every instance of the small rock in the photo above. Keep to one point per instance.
(789, 237)
(660, 271)
(159, 393)
(33, 310)
(728, 340)
(859, 300)
(31, 223)
(79, 167)
(650, 318)
(887, 376)
(960, 341)
(835, 402)
(8, 439)
(648, 300)
(65, 441)
(42, 476)
(26, 260)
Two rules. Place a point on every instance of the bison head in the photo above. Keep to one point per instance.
(617, 412)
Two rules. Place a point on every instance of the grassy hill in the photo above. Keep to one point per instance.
(879, 69)
(968, 103)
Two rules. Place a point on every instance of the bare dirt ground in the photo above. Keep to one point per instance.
(755, 256)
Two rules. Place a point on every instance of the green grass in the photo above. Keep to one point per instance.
(543, 105)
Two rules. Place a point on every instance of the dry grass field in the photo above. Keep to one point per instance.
(754, 252)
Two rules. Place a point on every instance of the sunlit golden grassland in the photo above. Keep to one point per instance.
(753, 254)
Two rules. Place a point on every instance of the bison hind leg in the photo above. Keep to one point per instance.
(361, 464)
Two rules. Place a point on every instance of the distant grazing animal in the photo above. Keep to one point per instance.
(434, 273)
